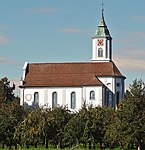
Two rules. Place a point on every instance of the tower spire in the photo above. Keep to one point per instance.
(102, 9)
(102, 42)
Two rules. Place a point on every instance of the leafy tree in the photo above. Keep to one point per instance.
(89, 128)
(117, 133)
(10, 115)
(74, 129)
(127, 125)
(10, 112)
(101, 120)
(42, 126)
(61, 117)
(6, 91)
(136, 113)
(30, 130)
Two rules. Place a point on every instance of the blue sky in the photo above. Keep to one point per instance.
(61, 31)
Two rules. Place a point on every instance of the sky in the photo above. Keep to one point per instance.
(62, 30)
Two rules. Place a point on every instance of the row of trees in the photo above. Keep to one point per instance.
(89, 127)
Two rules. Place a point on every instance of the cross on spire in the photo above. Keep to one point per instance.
(102, 7)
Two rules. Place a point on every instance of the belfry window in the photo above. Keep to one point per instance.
(73, 100)
(100, 52)
(92, 95)
(54, 99)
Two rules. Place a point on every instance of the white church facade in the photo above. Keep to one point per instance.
(98, 82)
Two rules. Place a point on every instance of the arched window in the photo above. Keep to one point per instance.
(100, 52)
(73, 100)
(109, 98)
(36, 98)
(54, 99)
(117, 99)
(92, 95)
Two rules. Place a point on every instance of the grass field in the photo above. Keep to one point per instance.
(43, 148)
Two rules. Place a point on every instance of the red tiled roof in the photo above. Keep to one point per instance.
(69, 74)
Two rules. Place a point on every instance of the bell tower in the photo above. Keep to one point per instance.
(102, 42)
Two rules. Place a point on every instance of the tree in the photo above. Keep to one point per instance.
(117, 133)
(42, 126)
(88, 137)
(61, 117)
(102, 118)
(127, 125)
(30, 130)
(6, 91)
(10, 112)
(74, 129)
(135, 99)
(10, 115)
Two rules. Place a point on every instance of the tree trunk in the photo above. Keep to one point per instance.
(35, 145)
(94, 146)
(90, 147)
(85, 146)
(121, 146)
(101, 145)
(46, 143)
(27, 146)
(3, 145)
(132, 145)
(16, 147)
(60, 145)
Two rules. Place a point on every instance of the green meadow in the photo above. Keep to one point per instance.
(43, 148)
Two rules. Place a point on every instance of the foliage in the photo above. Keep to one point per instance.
(136, 113)
(10, 112)
(127, 125)
(88, 128)
(30, 129)
(61, 117)
(6, 91)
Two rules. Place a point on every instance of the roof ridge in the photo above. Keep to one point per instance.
(115, 70)
(98, 82)
(90, 79)
(89, 62)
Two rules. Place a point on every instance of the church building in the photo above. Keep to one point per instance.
(97, 82)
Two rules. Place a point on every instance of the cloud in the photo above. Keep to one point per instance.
(71, 30)
(139, 18)
(130, 63)
(133, 52)
(4, 39)
(44, 10)
(132, 37)
(131, 56)
(140, 35)
(3, 27)
(126, 40)
(6, 61)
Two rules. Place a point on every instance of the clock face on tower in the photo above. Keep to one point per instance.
(100, 42)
